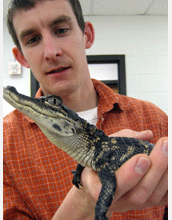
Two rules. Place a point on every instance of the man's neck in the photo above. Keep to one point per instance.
(82, 100)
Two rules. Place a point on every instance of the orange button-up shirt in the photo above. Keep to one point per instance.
(37, 174)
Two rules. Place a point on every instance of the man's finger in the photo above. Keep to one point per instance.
(146, 135)
(149, 183)
(130, 173)
(161, 190)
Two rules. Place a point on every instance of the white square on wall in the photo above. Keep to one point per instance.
(104, 71)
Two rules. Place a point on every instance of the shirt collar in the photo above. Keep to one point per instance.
(39, 93)
(108, 99)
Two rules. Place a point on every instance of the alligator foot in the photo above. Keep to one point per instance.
(77, 176)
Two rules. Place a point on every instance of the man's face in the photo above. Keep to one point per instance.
(53, 46)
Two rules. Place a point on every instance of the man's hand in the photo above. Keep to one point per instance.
(146, 135)
(141, 182)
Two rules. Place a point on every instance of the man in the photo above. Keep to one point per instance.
(51, 38)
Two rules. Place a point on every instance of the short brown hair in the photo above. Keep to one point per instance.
(16, 5)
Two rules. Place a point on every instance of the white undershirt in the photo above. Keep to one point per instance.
(89, 115)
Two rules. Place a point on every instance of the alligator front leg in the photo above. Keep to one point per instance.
(108, 180)
(77, 176)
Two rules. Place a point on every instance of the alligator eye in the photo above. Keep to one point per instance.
(54, 101)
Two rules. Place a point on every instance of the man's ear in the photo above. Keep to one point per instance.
(19, 57)
(89, 35)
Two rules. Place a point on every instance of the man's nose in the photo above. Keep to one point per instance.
(52, 49)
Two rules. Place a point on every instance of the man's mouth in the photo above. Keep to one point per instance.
(59, 70)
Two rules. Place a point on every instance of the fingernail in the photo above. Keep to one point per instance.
(165, 147)
(142, 165)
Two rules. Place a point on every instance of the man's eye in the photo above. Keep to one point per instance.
(33, 40)
(62, 31)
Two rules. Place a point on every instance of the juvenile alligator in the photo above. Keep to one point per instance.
(82, 141)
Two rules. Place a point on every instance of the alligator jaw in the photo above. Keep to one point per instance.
(51, 119)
